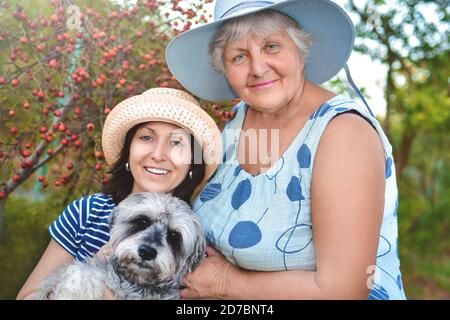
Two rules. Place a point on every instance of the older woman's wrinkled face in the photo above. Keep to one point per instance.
(266, 71)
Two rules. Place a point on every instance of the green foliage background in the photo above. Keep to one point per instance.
(24, 239)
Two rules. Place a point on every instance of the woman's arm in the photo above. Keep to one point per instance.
(347, 197)
(53, 257)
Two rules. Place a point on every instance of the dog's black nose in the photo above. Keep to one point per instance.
(146, 252)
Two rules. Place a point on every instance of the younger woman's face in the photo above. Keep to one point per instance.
(160, 157)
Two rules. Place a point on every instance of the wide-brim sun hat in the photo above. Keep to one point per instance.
(167, 105)
(331, 29)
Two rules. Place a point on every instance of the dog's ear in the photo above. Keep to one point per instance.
(112, 217)
(199, 252)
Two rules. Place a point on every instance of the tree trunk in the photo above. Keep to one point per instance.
(404, 150)
(390, 87)
(2, 207)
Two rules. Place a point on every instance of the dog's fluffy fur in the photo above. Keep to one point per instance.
(155, 240)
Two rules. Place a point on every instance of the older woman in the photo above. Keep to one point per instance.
(304, 205)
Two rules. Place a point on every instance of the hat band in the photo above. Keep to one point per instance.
(245, 5)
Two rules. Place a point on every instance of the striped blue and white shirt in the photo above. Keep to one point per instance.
(82, 229)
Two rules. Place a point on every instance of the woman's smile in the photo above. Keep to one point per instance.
(157, 171)
(263, 85)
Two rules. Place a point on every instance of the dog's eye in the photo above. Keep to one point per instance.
(142, 222)
(173, 237)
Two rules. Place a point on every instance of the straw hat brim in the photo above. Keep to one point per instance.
(161, 106)
(329, 25)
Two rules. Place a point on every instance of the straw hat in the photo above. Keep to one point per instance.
(167, 105)
(331, 29)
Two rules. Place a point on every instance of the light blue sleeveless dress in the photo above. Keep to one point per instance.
(264, 222)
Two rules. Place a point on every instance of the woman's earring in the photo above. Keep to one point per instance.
(190, 174)
(127, 167)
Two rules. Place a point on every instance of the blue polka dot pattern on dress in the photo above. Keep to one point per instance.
(245, 234)
(264, 222)
(210, 192)
(241, 194)
(388, 167)
(378, 293)
(294, 190)
(304, 156)
(320, 111)
(228, 153)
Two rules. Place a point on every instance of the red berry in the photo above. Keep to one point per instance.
(65, 178)
(98, 154)
(15, 82)
(26, 153)
(90, 126)
(28, 163)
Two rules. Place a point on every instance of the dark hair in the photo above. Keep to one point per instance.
(121, 182)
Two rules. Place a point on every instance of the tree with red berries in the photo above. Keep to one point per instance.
(63, 66)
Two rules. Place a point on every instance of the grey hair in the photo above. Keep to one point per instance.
(263, 23)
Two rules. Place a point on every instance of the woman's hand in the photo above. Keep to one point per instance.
(210, 278)
(108, 294)
(105, 253)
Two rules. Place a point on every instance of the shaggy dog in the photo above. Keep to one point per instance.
(155, 240)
